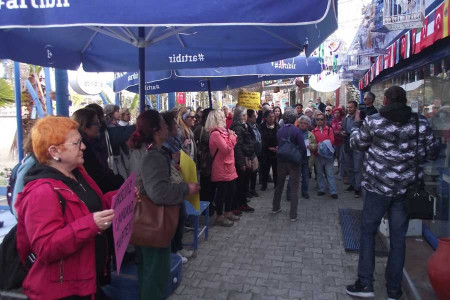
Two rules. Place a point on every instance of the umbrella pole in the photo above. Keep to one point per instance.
(62, 92)
(141, 70)
(18, 96)
(209, 93)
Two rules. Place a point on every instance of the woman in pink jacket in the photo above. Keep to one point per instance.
(223, 171)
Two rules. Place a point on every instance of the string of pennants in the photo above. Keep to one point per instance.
(435, 27)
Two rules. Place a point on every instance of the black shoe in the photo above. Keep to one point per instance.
(264, 187)
(334, 196)
(394, 295)
(359, 290)
(305, 195)
(254, 193)
(320, 193)
(249, 195)
(246, 208)
(357, 193)
(349, 189)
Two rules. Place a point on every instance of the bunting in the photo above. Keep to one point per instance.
(435, 27)
(438, 23)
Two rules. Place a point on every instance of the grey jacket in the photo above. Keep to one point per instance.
(389, 164)
(153, 176)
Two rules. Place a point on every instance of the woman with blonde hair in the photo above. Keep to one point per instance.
(186, 122)
(223, 172)
(62, 217)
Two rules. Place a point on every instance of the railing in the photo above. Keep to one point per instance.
(360, 63)
(403, 14)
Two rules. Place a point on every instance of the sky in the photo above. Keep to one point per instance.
(349, 19)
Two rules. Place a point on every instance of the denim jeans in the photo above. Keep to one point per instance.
(375, 206)
(354, 161)
(325, 165)
(304, 172)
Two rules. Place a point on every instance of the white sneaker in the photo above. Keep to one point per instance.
(186, 253)
(183, 259)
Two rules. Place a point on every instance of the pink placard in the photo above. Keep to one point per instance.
(123, 205)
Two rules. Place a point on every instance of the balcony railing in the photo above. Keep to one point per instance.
(359, 63)
(403, 14)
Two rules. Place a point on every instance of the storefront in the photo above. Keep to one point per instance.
(425, 76)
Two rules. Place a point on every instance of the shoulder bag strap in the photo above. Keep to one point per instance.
(416, 158)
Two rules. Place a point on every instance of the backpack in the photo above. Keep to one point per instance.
(13, 270)
(204, 157)
(17, 173)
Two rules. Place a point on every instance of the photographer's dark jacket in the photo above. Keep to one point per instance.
(389, 139)
(245, 147)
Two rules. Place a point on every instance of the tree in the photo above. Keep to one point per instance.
(6, 93)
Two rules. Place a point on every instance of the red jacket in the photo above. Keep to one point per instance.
(62, 243)
(229, 120)
(223, 168)
(336, 124)
(325, 134)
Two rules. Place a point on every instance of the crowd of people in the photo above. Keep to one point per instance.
(64, 211)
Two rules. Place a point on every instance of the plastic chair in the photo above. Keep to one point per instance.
(195, 214)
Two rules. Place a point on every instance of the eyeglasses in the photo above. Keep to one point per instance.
(78, 143)
(328, 110)
(191, 117)
(319, 119)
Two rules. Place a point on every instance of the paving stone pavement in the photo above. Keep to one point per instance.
(268, 257)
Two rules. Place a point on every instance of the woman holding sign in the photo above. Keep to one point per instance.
(152, 166)
(62, 216)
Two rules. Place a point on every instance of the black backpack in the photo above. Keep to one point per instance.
(12, 182)
(13, 271)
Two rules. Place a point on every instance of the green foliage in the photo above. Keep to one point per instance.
(6, 93)
(135, 102)
(107, 98)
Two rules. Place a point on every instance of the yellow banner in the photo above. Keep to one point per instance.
(445, 20)
(249, 100)
(189, 174)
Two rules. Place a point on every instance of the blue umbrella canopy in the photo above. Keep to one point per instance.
(103, 35)
(190, 80)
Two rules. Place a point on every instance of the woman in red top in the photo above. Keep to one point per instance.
(62, 217)
(223, 171)
(336, 124)
(228, 117)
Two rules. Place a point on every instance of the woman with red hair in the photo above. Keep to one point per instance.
(62, 217)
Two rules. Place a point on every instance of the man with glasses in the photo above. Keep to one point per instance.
(324, 135)
(369, 99)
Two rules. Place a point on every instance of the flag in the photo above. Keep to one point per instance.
(372, 72)
(438, 23)
(408, 44)
(387, 57)
(423, 35)
(403, 47)
(430, 30)
(392, 61)
(445, 28)
(397, 51)
(366, 79)
(418, 41)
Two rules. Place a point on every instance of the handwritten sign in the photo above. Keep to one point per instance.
(249, 100)
(189, 174)
(123, 205)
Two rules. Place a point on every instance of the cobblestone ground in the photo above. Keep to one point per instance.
(266, 256)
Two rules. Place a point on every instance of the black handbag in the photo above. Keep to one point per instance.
(419, 203)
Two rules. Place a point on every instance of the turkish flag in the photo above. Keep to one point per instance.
(181, 99)
(403, 47)
(423, 35)
(438, 23)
